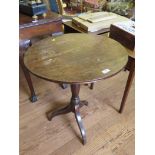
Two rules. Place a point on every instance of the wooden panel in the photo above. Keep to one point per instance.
(126, 39)
(39, 30)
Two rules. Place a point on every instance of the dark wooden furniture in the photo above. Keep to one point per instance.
(75, 59)
(127, 40)
(131, 68)
(51, 24)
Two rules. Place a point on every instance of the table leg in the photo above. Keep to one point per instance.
(128, 85)
(91, 85)
(33, 97)
(63, 85)
(74, 106)
(23, 45)
(75, 100)
(61, 111)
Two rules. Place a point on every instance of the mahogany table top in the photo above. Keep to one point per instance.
(75, 58)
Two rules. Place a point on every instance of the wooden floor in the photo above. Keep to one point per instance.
(108, 132)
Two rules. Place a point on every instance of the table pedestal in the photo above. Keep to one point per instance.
(74, 106)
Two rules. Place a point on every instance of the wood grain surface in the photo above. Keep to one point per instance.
(50, 24)
(75, 58)
(108, 132)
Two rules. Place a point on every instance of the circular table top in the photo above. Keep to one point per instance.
(75, 58)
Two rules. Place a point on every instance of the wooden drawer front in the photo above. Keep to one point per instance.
(34, 31)
(126, 39)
